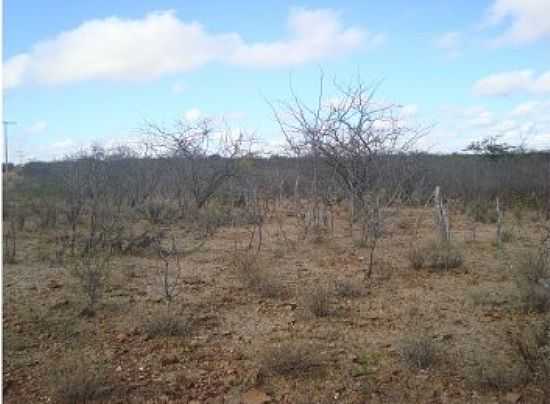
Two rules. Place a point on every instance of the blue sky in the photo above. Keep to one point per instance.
(79, 72)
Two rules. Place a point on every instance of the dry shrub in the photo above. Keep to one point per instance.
(490, 370)
(532, 278)
(91, 269)
(9, 240)
(77, 380)
(167, 323)
(437, 255)
(158, 211)
(291, 358)
(211, 217)
(317, 300)
(532, 347)
(348, 289)
(418, 352)
(319, 234)
(482, 212)
(507, 236)
(261, 280)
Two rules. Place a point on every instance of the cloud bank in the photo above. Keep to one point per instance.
(160, 43)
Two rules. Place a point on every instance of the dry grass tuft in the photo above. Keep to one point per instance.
(418, 352)
(532, 278)
(79, 381)
(348, 289)
(489, 370)
(291, 358)
(437, 256)
(318, 301)
(259, 279)
(166, 323)
(532, 346)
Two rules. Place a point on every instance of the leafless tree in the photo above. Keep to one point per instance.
(91, 268)
(203, 157)
(74, 193)
(169, 268)
(365, 142)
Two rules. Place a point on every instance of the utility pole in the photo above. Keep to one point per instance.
(6, 124)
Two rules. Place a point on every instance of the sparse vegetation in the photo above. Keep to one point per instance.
(532, 347)
(349, 289)
(91, 269)
(216, 249)
(290, 359)
(418, 351)
(317, 300)
(168, 323)
(254, 276)
(490, 370)
(532, 277)
(78, 380)
(437, 256)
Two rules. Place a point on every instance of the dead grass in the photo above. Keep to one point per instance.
(418, 352)
(437, 256)
(255, 277)
(318, 300)
(532, 346)
(482, 212)
(244, 318)
(290, 358)
(491, 370)
(348, 289)
(167, 323)
(532, 278)
(77, 380)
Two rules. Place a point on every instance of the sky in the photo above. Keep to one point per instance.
(76, 73)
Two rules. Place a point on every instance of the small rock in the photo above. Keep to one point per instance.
(118, 368)
(53, 284)
(255, 396)
(121, 337)
(512, 397)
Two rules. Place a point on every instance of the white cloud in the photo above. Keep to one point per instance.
(519, 81)
(178, 88)
(525, 108)
(527, 123)
(14, 70)
(192, 115)
(160, 43)
(63, 144)
(450, 42)
(541, 140)
(478, 117)
(524, 21)
(542, 84)
(313, 35)
(37, 127)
